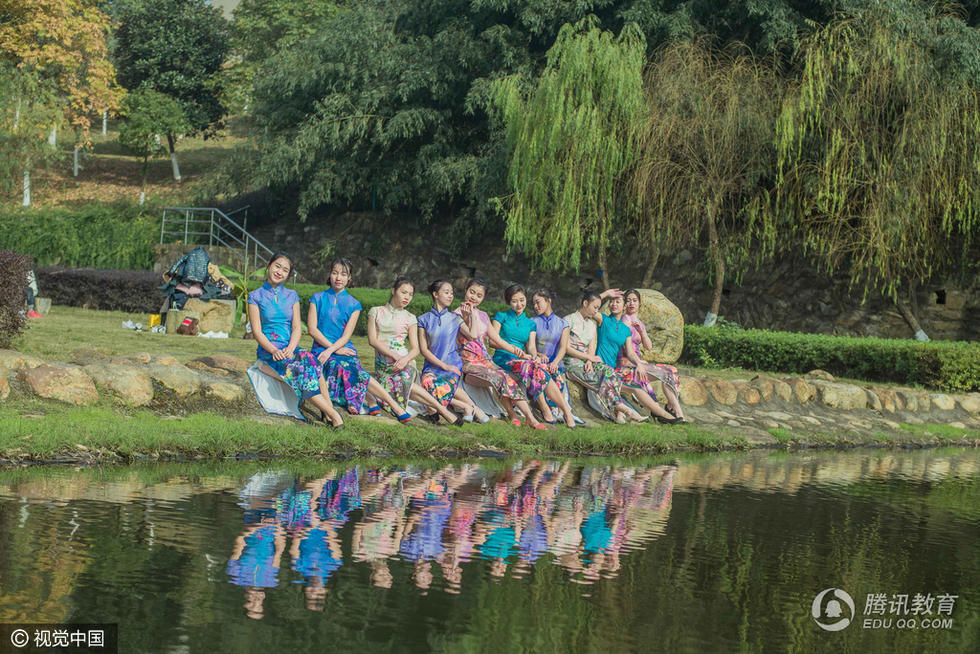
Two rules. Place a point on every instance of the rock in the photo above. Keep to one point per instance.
(665, 326)
(129, 383)
(197, 365)
(874, 402)
(721, 390)
(910, 399)
(4, 384)
(180, 379)
(943, 402)
(733, 423)
(693, 392)
(970, 402)
(224, 391)
(912, 420)
(752, 396)
(845, 397)
(892, 424)
(62, 382)
(889, 400)
(141, 357)
(219, 315)
(820, 374)
(810, 420)
(769, 424)
(708, 418)
(778, 415)
(165, 360)
(802, 391)
(12, 360)
(225, 362)
(958, 425)
(782, 389)
(765, 386)
(84, 356)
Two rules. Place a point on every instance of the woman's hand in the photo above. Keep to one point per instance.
(639, 375)
(346, 351)
(588, 367)
(288, 352)
(323, 356)
(612, 292)
(453, 369)
(519, 353)
(401, 363)
(465, 311)
(278, 355)
(542, 359)
(595, 358)
(553, 367)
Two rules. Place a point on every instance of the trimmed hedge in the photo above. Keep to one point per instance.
(951, 366)
(134, 291)
(116, 236)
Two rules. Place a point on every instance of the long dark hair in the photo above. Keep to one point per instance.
(276, 257)
(630, 292)
(476, 281)
(436, 285)
(400, 281)
(588, 295)
(345, 263)
(513, 290)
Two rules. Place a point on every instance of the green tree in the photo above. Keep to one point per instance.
(146, 115)
(176, 47)
(28, 107)
(570, 139)
(706, 153)
(879, 148)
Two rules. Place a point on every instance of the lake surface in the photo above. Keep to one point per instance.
(716, 553)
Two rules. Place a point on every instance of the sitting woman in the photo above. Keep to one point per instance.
(639, 340)
(611, 335)
(517, 332)
(331, 321)
(439, 329)
(477, 366)
(273, 313)
(393, 334)
(586, 368)
(550, 339)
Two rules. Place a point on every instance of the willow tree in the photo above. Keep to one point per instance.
(879, 152)
(706, 151)
(571, 136)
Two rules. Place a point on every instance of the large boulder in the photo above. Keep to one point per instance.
(4, 384)
(693, 392)
(12, 360)
(846, 397)
(224, 391)
(665, 326)
(129, 383)
(180, 379)
(215, 315)
(224, 362)
(722, 390)
(62, 382)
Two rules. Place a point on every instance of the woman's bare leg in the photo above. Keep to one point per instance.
(323, 403)
(468, 404)
(421, 396)
(673, 401)
(644, 398)
(525, 408)
(545, 408)
(377, 390)
(554, 394)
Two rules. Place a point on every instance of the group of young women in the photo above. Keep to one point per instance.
(532, 360)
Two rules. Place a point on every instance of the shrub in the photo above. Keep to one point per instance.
(952, 366)
(13, 280)
(134, 291)
(113, 236)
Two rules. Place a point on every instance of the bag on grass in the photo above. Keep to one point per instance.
(188, 327)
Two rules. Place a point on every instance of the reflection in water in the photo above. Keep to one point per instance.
(513, 555)
(442, 519)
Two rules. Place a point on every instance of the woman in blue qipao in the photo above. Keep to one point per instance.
(550, 340)
(611, 335)
(517, 332)
(331, 321)
(273, 311)
(439, 330)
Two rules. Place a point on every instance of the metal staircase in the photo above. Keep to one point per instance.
(213, 227)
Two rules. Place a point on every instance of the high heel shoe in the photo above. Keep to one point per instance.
(515, 422)
(403, 418)
(669, 421)
(374, 410)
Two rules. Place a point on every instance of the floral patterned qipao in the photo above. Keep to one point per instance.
(476, 359)
(275, 305)
(603, 378)
(665, 373)
(441, 330)
(347, 381)
(393, 327)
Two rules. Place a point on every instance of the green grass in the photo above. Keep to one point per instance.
(944, 433)
(37, 429)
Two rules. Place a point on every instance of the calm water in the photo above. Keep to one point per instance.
(702, 554)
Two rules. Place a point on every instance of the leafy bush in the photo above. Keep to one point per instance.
(118, 236)
(953, 366)
(13, 279)
(134, 291)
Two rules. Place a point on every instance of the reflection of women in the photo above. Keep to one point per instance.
(254, 563)
(316, 554)
(393, 333)
(639, 340)
(273, 313)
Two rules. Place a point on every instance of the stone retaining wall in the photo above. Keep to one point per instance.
(815, 403)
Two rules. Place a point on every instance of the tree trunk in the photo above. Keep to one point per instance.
(74, 163)
(173, 157)
(105, 122)
(910, 318)
(603, 270)
(718, 258)
(53, 136)
(27, 188)
(648, 275)
(17, 115)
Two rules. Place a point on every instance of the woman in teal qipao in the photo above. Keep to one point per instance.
(273, 312)
(517, 331)
(331, 321)
(611, 335)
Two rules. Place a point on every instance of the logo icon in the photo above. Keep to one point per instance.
(830, 615)
(19, 637)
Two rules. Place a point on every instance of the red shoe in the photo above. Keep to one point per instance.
(34, 314)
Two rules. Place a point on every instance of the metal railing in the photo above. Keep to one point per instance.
(200, 225)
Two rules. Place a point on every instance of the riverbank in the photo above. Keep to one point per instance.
(116, 396)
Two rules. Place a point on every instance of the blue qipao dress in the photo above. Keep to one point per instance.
(516, 330)
(612, 334)
(441, 329)
(347, 381)
(301, 371)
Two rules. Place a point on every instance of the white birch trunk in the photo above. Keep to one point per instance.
(17, 115)
(105, 122)
(27, 188)
(53, 136)
(74, 163)
(142, 197)
(173, 160)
